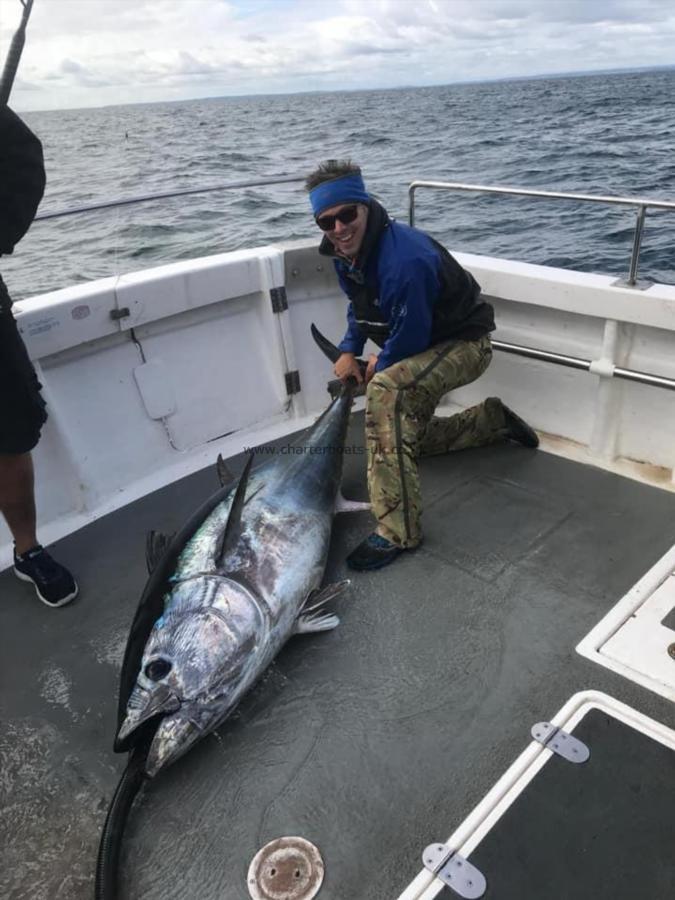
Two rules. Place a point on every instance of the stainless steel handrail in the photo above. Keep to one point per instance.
(574, 362)
(164, 195)
(642, 204)
(530, 352)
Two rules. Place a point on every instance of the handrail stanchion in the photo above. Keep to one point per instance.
(637, 241)
(411, 205)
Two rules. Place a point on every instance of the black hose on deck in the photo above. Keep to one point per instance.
(107, 862)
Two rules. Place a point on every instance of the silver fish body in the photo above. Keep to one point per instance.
(236, 596)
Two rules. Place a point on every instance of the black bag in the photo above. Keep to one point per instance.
(22, 178)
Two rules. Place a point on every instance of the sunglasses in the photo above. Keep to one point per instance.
(346, 215)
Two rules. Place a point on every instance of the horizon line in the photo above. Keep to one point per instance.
(574, 73)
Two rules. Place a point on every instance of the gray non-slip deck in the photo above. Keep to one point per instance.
(371, 741)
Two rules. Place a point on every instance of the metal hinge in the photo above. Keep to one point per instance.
(454, 871)
(279, 299)
(292, 382)
(560, 742)
(122, 313)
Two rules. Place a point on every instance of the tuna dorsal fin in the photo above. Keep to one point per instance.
(233, 527)
(155, 545)
(224, 475)
(330, 350)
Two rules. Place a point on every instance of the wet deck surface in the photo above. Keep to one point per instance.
(372, 740)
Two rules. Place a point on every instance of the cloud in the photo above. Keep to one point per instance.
(71, 72)
(187, 64)
(69, 66)
(89, 52)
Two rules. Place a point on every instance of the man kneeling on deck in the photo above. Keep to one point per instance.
(426, 313)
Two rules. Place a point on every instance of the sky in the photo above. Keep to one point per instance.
(83, 53)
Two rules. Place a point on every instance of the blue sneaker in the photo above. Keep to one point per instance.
(373, 553)
(53, 583)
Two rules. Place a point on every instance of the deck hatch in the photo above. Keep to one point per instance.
(636, 636)
(598, 831)
(591, 829)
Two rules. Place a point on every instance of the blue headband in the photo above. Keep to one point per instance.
(346, 189)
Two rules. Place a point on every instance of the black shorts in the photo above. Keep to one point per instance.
(22, 409)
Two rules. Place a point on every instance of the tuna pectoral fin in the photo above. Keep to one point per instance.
(311, 617)
(320, 598)
(342, 505)
(307, 624)
(155, 545)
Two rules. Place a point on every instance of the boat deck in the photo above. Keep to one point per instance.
(370, 741)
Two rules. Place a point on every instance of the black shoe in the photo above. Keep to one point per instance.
(373, 553)
(517, 430)
(54, 584)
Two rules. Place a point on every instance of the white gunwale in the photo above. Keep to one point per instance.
(219, 354)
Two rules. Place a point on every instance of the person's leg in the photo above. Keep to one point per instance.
(53, 583)
(400, 402)
(487, 423)
(22, 415)
(397, 410)
(17, 499)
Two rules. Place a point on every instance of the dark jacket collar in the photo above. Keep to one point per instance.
(378, 221)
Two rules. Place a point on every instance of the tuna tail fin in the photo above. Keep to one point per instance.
(336, 387)
(232, 529)
(330, 350)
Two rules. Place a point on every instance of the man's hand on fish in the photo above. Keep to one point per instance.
(370, 369)
(346, 366)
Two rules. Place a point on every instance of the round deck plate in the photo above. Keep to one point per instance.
(289, 868)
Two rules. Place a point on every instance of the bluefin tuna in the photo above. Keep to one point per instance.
(242, 578)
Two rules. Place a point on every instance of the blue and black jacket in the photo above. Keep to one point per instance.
(406, 292)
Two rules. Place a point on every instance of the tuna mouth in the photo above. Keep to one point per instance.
(162, 701)
(174, 737)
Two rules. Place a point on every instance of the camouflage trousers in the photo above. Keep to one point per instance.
(401, 427)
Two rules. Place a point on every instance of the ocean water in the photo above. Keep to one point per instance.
(603, 134)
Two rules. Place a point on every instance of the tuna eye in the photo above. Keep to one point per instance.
(157, 669)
